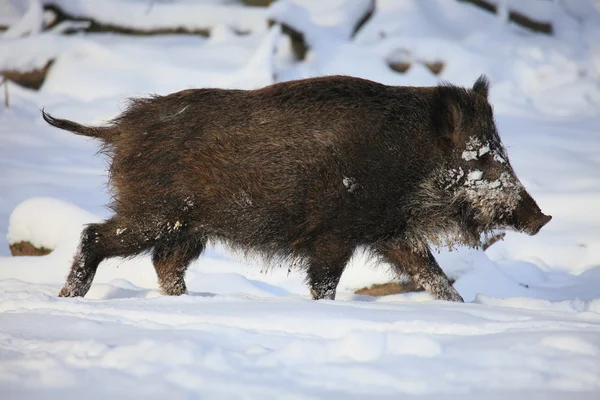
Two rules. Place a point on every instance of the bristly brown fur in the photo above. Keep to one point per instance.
(302, 171)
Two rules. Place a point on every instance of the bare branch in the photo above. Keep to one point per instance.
(96, 26)
(491, 240)
(515, 16)
(364, 19)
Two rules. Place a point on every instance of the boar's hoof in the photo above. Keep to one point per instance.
(176, 288)
(174, 292)
(449, 294)
(70, 292)
(455, 297)
(317, 294)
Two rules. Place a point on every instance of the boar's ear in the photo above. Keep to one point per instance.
(482, 86)
(447, 113)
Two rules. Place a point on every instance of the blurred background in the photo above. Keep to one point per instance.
(543, 56)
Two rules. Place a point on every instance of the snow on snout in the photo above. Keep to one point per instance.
(350, 183)
(475, 149)
(474, 176)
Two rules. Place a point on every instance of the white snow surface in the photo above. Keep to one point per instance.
(530, 327)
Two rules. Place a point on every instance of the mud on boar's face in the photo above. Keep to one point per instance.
(480, 178)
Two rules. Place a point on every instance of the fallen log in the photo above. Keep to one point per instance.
(516, 17)
(92, 25)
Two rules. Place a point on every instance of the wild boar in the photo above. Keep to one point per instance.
(304, 171)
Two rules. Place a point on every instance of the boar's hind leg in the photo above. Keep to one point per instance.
(113, 238)
(422, 268)
(171, 259)
(325, 267)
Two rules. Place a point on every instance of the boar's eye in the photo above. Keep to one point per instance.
(487, 157)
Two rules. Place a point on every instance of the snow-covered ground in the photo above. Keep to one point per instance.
(531, 324)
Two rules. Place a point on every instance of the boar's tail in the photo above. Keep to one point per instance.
(104, 133)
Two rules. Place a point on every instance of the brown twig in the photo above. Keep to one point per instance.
(299, 46)
(491, 240)
(364, 19)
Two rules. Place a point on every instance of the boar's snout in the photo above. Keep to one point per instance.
(528, 217)
(537, 223)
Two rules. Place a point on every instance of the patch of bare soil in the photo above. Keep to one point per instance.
(27, 249)
(32, 79)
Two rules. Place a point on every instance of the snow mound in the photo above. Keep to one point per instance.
(47, 222)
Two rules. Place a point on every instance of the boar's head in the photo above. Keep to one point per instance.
(477, 178)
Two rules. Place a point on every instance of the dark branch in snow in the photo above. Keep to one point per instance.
(258, 3)
(365, 18)
(299, 46)
(518, 18)
(298, 38)
(95, 26)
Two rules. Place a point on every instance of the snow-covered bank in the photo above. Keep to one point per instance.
(241, 346)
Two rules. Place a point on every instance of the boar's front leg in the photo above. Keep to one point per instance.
(422, 268)
(171, 259)
(326, 263)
